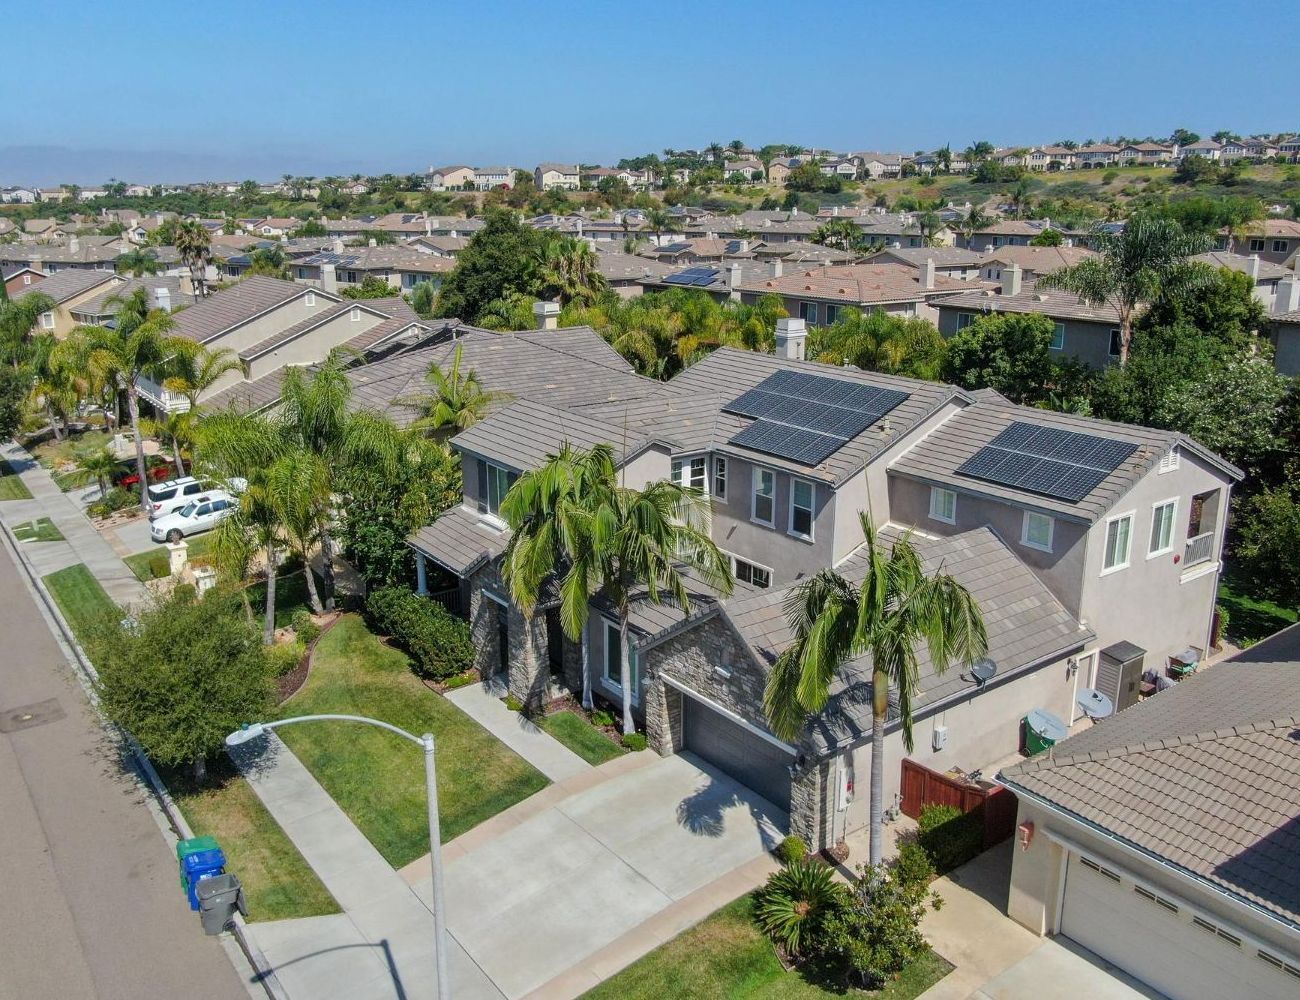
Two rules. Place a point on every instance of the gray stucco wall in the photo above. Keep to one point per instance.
(1088, 342)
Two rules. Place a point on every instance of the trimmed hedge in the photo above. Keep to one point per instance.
(949, 836)
(438, 642)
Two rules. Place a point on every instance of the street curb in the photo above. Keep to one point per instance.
(170, 821)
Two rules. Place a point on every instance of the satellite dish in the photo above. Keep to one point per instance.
(982, 670)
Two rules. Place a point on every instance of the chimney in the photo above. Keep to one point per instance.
(579, 229)
(373, 242)
(428, 225)
(186, 283)
(162, 298)
(1252, 267)
(329, 278)
(835, 210)
(74, 245)
(1288, 294)
(777, 267)
(733, 281)
(927, 273)
(338, 244)
(791, 338)
(546, 315)
(794, 211)
(1011, 280)
(744, 246)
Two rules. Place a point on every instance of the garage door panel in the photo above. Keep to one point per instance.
(733, 749)
(1141, 935)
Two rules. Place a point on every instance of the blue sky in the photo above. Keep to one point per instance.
(161, 91)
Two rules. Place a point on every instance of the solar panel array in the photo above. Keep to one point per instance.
(807, 418)
(694, 276)
(330, 257)
(1066, 465)
(673, 247)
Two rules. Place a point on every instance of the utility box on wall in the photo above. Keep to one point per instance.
(939, 739)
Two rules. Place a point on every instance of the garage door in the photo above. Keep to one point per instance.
(732, 748)
(1153, 938)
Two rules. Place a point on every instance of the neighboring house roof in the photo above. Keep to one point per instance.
(1057, 305)
(460, 541)
(558, 168)
(857, 284)
(64, 285)
(250, 395)
(79, 250)
(1039, 260)
(380, 258)
(1201, 777)
(237, 304)
(1012, 227)
(629, 267)
(1026, 624)
(100, 306)
(1268, 271)
(802, 252)
(937, 458)
(942, 256)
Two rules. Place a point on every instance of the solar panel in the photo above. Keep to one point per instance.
(1050, 461)
(806, 418)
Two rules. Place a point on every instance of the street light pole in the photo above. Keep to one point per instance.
(426, 742)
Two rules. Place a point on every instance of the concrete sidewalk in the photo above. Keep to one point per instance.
(83, 543)
(520, 734)
(382, 946)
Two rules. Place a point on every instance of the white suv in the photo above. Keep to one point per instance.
(202, 513)
(164, 498)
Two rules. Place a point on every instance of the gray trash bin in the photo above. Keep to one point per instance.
(219, 897)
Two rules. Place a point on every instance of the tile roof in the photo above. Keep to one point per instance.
(1039, 260)
(248, 396)
(857, 284)
(936, 458)
(249, 297)
(1201, 776)
(1027, 626)
(1268, 271)
(69, 283)
(99, 305)
(1062, 305)
(460, 540)
(942, 256)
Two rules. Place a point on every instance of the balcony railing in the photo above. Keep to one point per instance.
(1200, 548)
(172, 402)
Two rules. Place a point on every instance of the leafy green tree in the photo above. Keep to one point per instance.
(1234, 411)
(311, 227)
(897, 607)
(1267, 528)
(422, 299)
(1184, 137)
(1048, 238)
(1148, 257)
(180, 707)
(13, 392)
(878, 342)
(18, 319)
(372, 287)
(514, 311)
(1008, 352)
(499, 259)
(841, 234)
(1165, 360)
(269, 262)
(1223, 308)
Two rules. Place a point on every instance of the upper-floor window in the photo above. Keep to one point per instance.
(720, 478)
(943, 505)
(1256, 246)
(1168, 461)
(302, 272)
(964, 320)
(1115, 343)
(1279, 246)
(808, 312)
(691, 473)
(832, 314)
(1036, 531)
(764, 505)
(1058, 337)
(801, 508)
(1162, 527)
(1119, 535)
(494, 483)
(755, 576)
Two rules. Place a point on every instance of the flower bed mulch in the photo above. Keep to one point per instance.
(291, 683)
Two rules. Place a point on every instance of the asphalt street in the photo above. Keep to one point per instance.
(90, 903)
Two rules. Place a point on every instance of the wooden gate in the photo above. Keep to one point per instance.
(923, 787)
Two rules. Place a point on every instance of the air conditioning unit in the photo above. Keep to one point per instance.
(939, 740)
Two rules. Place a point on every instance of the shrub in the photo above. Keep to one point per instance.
(913, 865)
(1109, 176)
(949, 836)
(304, 627)
(796, 904)
(792, 850)
(634, 741)
(114, 500)
(602, 718)
(877, 932)
(438, 642)
(282, 658)
(514, 704)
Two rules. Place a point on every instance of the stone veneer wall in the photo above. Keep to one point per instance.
(527, 657)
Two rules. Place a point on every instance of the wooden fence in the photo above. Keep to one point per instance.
(923, 787)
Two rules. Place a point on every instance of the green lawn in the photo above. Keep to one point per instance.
(581, 737)
(11, 486)
(154, 564)
(1249, 618)
(290, 595)
(40, 530)
(277, 880)
(378, 778)
(80, 597)
(727, 956)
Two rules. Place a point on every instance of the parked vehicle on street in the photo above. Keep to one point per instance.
(203, 513)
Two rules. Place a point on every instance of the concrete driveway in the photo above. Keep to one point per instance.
(532, 903)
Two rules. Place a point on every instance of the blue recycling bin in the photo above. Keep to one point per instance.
(201, 865)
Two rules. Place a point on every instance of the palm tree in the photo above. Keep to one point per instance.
(714, 149)
(175, 429)
(101, 464)
(138, 263)
(454, 401)
(662, 221)
(929, 223)
(542, 509)
(895, 609)
(18, 318)
(1149, 256)
(569, 270)
(513, 311)
(298, 497)
(195, 372)
(972, 222)
(56, 383)
(195, 247)
(141, 345)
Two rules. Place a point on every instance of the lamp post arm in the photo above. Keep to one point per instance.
(345, 718)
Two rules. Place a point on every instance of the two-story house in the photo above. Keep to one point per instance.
(553, 176)
(1074, 535)
(817, 295)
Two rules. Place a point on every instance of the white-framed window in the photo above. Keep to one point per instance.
(47, 321)
(1036, 531)
(311, 298)
(1279, 246)
(1058, 337)
(832, 314)
(356, 314)
(808, 312)
(943, 505)
(720, 478)
(763, 508)
(964, 320)
(1256, 246)
(494, 483)
(691, 473)
(752, 574)
(1163, 517)
(1168, 462)
(802, 494)
(1119, 537)
(1115, 342)
(614, 654)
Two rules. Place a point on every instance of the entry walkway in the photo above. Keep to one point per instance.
(82, 544)
(519, 733)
